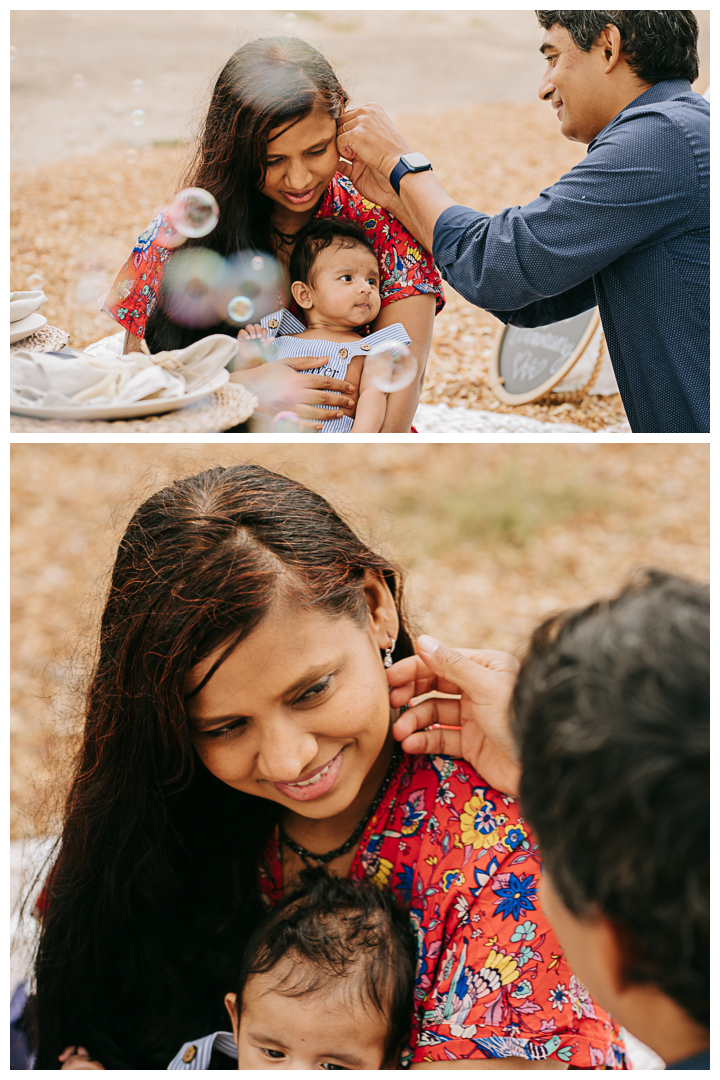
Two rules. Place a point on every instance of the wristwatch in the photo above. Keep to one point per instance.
(408, 163)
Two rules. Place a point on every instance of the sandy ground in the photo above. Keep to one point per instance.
(461, 84)
(495, 537)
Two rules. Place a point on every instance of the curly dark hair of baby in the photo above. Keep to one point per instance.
(333, 931)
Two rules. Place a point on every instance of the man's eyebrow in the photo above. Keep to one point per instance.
(546, 45)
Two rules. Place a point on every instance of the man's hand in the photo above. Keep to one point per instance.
(369, 140)
(369, 133)
(484, 681)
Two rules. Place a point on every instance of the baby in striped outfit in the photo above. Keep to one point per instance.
(336, 281)
(326, 983)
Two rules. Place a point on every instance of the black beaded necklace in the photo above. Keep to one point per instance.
(330, 855)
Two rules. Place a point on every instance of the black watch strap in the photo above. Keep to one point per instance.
(408, 163)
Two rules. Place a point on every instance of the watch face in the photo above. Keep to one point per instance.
(416, 161)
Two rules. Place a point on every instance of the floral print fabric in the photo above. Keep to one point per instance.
(405, 268)
(491, 980)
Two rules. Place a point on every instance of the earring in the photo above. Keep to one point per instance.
(388, 661)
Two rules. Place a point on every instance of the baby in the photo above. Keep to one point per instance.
(326, 983)
(336, 281)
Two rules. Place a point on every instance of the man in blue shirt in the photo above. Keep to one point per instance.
(626, 229)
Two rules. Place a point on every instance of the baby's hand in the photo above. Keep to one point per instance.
(77, 1057)
(253, 330)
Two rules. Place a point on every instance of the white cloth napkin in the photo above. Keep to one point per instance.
(23, 304)
(61, 381)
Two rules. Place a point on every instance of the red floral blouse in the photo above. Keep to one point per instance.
(491, 979)
(405, 268)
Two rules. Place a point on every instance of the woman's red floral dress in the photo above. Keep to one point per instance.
(405, 268)
(491, 979)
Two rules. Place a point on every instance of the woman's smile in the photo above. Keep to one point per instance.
(314, 784)
(299, 198)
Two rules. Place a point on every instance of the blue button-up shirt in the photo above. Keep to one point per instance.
(627, 229)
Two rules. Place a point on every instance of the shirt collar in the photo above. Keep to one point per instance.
(662, 91)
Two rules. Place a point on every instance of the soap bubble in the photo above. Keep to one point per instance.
(257, 262)
(289, 20)
(240, 309)
(137, 86)
(391, 367)
(13, 52)
(190, 287)
(35, 281)
(244, 286)
(138, 117)
(78, 81)
(131, 157)
(194, 212)
(287, 423)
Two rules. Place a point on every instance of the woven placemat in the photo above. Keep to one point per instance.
(46, 339)
(230, 405)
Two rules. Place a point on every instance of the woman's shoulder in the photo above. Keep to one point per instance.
(452, 779)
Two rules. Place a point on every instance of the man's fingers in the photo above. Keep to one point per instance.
(434, 741)
(410, 669)
(474, 673)
(433, 711)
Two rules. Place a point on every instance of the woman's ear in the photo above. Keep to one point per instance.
(231, 1006)
(384, 619)
(302, 294)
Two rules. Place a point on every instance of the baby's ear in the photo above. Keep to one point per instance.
(231, 1006)
(302, 294)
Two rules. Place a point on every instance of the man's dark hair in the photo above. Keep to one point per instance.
(657, 44)
(354, 935)
(318, 234)
(612, 714)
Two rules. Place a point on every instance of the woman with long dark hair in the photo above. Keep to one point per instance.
(238, 728)
(268, 155)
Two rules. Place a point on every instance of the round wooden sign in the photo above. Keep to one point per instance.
(527, 362)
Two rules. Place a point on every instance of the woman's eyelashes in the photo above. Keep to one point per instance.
(272, 162)
(234, 727)
(316, 690)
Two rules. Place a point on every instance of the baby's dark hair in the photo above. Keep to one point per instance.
(318, 234)
(349, 933)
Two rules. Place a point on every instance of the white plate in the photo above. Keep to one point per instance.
(124, 412)
(25, 327)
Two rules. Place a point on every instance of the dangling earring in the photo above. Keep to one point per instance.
(388, 661)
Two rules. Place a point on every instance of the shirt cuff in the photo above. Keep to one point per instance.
(449, 230)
